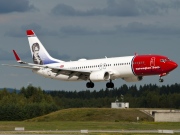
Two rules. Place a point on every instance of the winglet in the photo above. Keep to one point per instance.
(30, 33)
(18, 58)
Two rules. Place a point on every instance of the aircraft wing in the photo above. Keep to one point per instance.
(29, 67)
(57, 70)
(81, 74)
(54, 69)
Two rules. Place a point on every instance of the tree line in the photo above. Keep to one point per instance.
(31, 101)
(147, 96)
(27, 103)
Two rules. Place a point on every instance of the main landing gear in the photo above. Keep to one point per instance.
(90, 84)
(110, 84)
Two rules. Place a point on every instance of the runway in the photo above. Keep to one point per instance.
(68, 132)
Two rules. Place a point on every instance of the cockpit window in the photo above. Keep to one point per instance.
(164, 60)
(167, 59)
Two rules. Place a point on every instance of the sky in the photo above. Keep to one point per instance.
(74, 29)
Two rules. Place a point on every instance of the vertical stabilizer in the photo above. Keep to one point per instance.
(39, 53)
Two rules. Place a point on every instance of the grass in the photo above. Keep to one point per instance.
(60, 127)
(91, 119)
(95, 114)
(79, 125)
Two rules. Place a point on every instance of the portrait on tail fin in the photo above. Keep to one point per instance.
(36, 57)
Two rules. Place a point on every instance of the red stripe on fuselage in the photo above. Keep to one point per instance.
(143, 65)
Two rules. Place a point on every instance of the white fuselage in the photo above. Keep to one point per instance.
(118, 67)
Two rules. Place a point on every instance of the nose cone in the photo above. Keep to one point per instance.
(173, 65)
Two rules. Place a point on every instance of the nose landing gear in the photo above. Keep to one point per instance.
(161, 75)
(161, 79)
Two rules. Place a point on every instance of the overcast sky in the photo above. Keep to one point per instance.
(74, 29)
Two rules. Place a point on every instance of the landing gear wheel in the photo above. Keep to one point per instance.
(90, 85)
(161, 80)
(110, 85)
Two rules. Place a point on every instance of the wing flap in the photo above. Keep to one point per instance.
(84, 75)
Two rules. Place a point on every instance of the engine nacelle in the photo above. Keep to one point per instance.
(133, 79)
(99, 76)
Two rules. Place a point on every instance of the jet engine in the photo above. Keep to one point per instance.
(99, 76)
(133, 79)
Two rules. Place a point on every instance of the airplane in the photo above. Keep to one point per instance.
(129, 68)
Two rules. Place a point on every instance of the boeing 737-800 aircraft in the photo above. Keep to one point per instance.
(128, 68)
